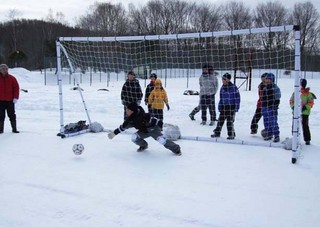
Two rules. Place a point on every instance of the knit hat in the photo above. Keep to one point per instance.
(270, 76)
(303, 83)
(3, 66)
(226, 76)
(132, 106)
(153, 75)
(264, 75)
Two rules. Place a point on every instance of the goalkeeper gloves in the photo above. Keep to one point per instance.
(111, 135)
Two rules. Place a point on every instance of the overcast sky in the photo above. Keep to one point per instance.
(73, 9)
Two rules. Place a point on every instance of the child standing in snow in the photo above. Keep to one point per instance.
(157, 98)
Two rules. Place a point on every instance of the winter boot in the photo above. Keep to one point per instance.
(215, 135)
(192, 117)
(253, 131)
(14, 127)
(1, 126)
(140, 149)
(177, 152)
(276, 139)
(211, 123)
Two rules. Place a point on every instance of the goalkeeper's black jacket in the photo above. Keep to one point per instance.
(139, 120)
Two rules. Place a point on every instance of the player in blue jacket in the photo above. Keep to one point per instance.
(270, 101)
(229, 104)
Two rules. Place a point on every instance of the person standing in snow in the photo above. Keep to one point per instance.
(257, 115)
(147, 126)
(157, 98)
(307, 101)
(229, 104)
(130, 92)
(9, 95)
(208, 89)
(149, 89)
(270, 102)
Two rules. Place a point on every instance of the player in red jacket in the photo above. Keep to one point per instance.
(9, 95)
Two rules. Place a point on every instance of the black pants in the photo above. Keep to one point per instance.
(305, 128)
(9, 107)
(228, 115)
(208, 101)
(157, 113)
(255, 120)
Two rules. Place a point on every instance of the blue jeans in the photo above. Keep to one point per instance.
(270, 120)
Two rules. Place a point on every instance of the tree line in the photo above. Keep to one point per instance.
(31, 43)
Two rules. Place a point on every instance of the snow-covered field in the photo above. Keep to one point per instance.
(42, 183)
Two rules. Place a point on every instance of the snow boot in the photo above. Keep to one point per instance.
(140, 149)
(178, 152)
(192, 117)
(14, 127)
(276, 139)
(211, 123)
(215, 135)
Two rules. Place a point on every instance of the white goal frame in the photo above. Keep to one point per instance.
(297, 67)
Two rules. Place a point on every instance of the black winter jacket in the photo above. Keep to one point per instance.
(139, 120)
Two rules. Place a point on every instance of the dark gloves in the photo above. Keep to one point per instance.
(304, 108)
(168, 107)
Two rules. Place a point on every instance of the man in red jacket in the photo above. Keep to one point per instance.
(9, 95)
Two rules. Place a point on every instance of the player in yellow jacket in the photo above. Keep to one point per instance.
(157, 98)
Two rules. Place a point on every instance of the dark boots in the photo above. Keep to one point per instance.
(1, 126)
(14, 127)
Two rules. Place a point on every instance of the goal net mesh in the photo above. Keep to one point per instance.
(244, 54)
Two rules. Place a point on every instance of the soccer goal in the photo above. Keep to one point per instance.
(245, 54)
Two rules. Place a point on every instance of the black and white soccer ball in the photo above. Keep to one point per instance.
(263, 133)
(77, 148)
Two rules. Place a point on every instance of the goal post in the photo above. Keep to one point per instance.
(239, 52)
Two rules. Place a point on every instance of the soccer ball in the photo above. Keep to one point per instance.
(263, 133)
(77, 149)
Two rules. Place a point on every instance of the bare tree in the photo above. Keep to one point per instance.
(272, 14)
(206, 17)
(236, 15)
(13, 15)
(162, 17)
(306, 16)
(106, 18)
(57, 17)
(145, 20)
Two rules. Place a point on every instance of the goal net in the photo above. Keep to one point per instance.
(238, 57)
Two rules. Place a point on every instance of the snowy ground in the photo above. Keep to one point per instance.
(42, 183)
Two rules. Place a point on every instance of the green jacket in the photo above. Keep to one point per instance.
(307, 98)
